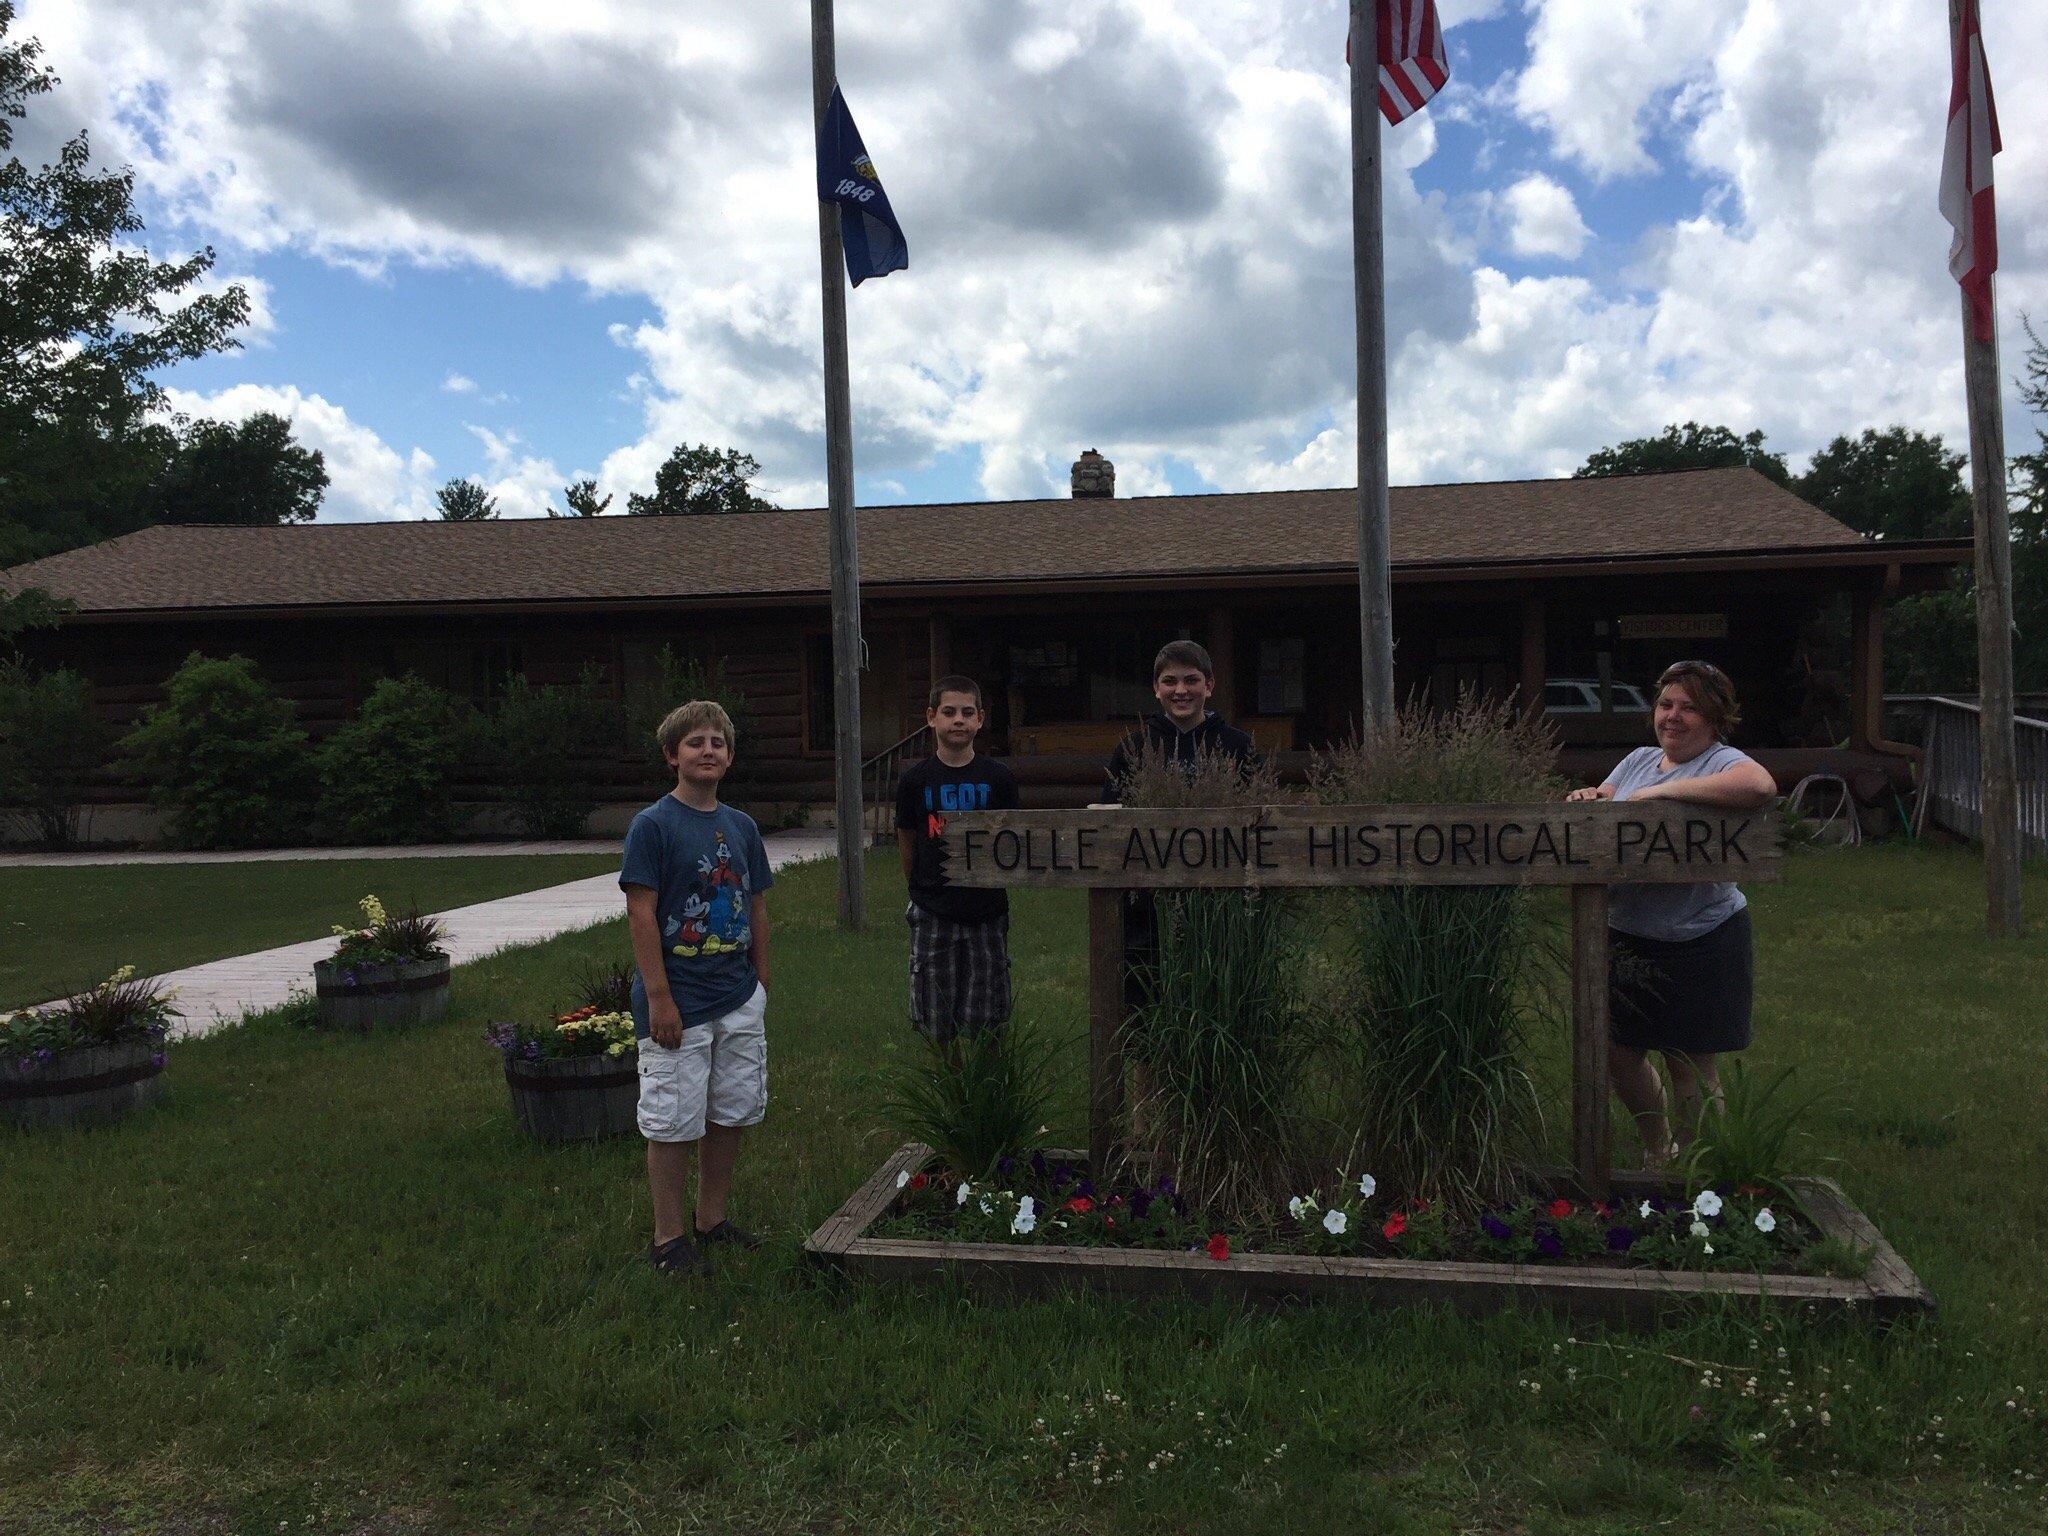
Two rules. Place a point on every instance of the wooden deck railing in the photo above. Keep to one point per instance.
(878, 777)
(1952, 776)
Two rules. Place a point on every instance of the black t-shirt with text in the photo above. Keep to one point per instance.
(925, 796)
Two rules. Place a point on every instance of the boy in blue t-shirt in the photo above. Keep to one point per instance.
(695, 876)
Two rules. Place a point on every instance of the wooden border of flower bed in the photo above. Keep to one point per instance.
(1630, 1297)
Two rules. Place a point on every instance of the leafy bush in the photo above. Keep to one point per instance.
(978, 1100)
(541, 743)
(386, 940)
(51, 744)
(121, 1010)
(225, 760)
(1434, 983)
(385, 776)
(679, 679)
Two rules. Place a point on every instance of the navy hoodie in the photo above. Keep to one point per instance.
(1212, 738)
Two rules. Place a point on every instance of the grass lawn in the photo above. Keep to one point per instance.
(325, 1287)
(66, 928)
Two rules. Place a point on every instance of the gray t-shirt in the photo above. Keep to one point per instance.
(1671, 912)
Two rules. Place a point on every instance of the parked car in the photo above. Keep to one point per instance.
(1581, 696)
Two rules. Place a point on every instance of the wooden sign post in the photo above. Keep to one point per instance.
(1588, 846)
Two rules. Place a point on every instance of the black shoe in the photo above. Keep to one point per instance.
(679, 1256)
(726, 1232)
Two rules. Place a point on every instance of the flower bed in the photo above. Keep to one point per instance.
(1045, 1224)
(388, 971)
(89, 1058)
(575, 1077)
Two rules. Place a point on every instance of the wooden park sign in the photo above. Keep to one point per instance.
(1587, 846)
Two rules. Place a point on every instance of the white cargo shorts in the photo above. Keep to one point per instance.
(719, 1075)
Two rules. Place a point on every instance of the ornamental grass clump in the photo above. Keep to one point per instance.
(1749, 1138)
(1220, 1043)
(978, 1099)
(1437, 986)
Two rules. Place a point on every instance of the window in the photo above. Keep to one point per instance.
(1283, 673)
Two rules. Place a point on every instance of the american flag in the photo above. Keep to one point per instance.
(1966, 195)
(1412, 63)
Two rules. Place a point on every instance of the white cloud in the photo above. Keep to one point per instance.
(1128, 219)
(368, 480)
(524, 483)
(1544, 219)
(459, 384)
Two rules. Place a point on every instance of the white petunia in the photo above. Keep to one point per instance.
(1644, 1211)
(986, 1208)
(1335, 1222)
(1706, 1247)
(960, 1195)
(1367, 1184)
(902, 1178)
(1026, 1217)
(1295, 1207)
(1707, 1204)
(1699, 1228)
(1765, 1221)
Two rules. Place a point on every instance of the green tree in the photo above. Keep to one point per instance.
(544, 745)
(698, 479)
(87, 319)
(387, 775)
(1895, 484)
(242, 472)
(466, 501)
(1690, 446)
(30, 608)
(225, 759)
(583, 500)
(52, 742)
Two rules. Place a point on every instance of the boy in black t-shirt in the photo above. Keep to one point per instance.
(959, 939)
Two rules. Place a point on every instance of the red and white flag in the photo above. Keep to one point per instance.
(1966, 196)
(1412, 63)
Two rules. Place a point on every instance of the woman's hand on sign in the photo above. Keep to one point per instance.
(1591, 792)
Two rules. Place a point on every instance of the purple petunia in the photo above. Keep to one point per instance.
(45, 1055)
(1495, 1228)
(158, 1059)
(532, 1051)
(1038, 1164)
(1165, 1186)
(1004, 1165)
(348, 978)
(1085, 1190)
(1549, 1244)
(1140, 1203)
(1620, 1239)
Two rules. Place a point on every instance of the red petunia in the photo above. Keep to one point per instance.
(1395, 1226)
(1559, 1209)
(1109, 1221)
(919, 1180)
(1219, 1247)
(1080, 1205)
(1602, 1209)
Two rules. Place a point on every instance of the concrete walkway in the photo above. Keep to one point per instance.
(223, 992)
(289, 855)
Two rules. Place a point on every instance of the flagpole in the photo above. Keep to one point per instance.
(1999, 792)
(845, 549)
(1375, 598)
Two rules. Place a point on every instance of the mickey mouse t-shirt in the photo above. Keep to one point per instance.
(705, 868)
(925, 796)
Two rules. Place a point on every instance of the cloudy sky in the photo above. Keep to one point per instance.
(530, 241)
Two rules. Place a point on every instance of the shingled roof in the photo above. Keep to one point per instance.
(1271, 533)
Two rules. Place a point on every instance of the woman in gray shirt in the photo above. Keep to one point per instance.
(1683, 971)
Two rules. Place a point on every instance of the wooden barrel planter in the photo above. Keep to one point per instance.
(367, 997)
(88, 1086)
(579, 1098)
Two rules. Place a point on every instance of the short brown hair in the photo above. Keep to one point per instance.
(1712, 691)
(953, 682)
(1183, 653)
(685, 718)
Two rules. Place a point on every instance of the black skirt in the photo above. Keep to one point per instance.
(1692, 995)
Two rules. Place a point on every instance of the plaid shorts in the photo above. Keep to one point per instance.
(959, 974)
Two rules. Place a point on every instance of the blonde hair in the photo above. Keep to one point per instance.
(685, 718)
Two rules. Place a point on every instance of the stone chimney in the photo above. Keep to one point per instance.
(1094, 476)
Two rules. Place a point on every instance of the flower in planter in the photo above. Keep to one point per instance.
(1297, 1207)
(1368, 1185)
(903, 1179)
(1549, 1244)
(1707, 1203)
(1559, 1209)
(1495, 1228)
(1394, 1226)
(1620, 1239)
(1219, 1247)
(1026, 1217)
(1699, 1228)
(1081, 1205)
(919, 1181)
(1765, 1221)
(1334, 1223)
(960, 1195)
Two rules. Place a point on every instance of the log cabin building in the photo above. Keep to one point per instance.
(1568, 593)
